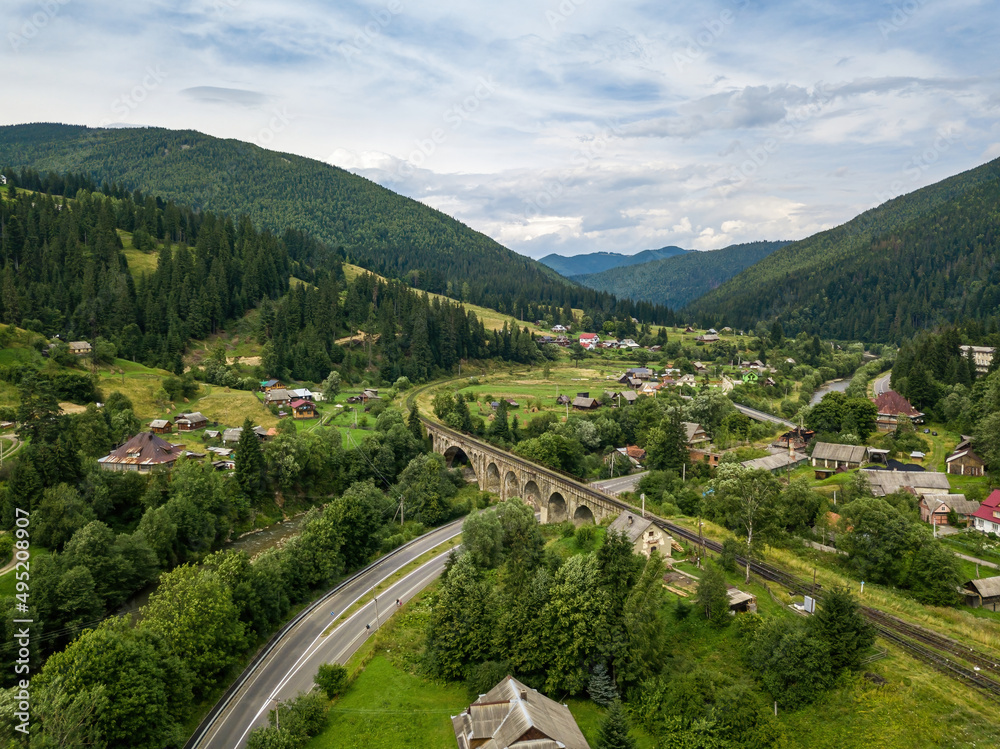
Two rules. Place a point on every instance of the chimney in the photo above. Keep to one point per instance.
(524, 694)
(630, 520)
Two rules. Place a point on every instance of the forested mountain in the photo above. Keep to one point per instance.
(376, 228)
(680, 279)
(919, 260)
(595, 262)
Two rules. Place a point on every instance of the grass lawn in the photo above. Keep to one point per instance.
(231, 407)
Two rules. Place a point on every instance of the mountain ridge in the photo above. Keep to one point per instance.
(589, 263)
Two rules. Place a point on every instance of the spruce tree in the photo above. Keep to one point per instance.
(601, 689)
(841, 623)
(249, 463)
(614, 730)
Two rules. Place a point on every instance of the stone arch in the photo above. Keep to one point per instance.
(493, 478)
(532, 495)
(557, 508)
(510, 485)
(583, 515)
(456, 457)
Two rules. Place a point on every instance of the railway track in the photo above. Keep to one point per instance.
(942, 653)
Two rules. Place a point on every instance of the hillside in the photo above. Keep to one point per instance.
(385, 232)
(675, 281)
(595, 262)
(919, 260)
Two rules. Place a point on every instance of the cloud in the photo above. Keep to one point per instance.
(790, 117)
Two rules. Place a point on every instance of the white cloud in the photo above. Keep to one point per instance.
(784, 118)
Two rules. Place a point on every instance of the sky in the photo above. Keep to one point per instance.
(565, 126)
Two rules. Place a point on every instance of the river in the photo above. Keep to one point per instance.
(253, 543)
(833, 386)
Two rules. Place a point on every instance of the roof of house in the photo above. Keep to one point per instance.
(630, 524)
(510, 711)
(193, 417)
(562, 399)
(887, 482)
(956, 502)
(840, 453)
(301, 392)
(639, 371)
(588, 336)
(79, 344)
(774, 462)
(987, 587)
(299, 402)
(144, 449)
(269, 383)
(967, 453)
(159, 423)
(278, 394)
(694, 432)
(581, 402)
(891, 403)
(232, 434)
(629, 395)
(988, 506)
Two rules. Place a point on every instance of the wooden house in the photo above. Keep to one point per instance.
(303, 409)
(982, 592)
(79, 348)
(277, 397)
(267, 385)
(514, 716)
(965, 463)
(833, 456)
(161, 426)
(188, 422)
(584, 402)
(562, 400)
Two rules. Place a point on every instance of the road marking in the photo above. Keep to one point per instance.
(309, 652)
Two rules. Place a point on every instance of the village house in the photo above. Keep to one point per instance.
(796, 438)
(302, 393)
(650, 388)
(640, 373)
(688, 379)
(699, 367)
(559, 329)
(783, 461)
(584, 402)
(919, 483)
(303, 409)
(934, 508)
(266, 385)
(514, 716)
(212, 434)
(629, 396)
(707, 338)
(79, 348)
(589, 338)
(891, 407)
(277, 397)
(628, 343)
(563, 341)
(144, 453)
(265, 434)
(964, 461)
(987, 517)
(188, 422)
(695, 434)
(642, 533)
(161, 426)
(833, 456)
(634, 453)
(231, 436)
(562, 400)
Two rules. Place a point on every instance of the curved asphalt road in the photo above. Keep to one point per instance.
(293, 662)
(881, 385)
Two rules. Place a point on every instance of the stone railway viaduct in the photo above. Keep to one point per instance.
(555, 496)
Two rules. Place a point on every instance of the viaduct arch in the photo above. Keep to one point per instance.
(553, 495)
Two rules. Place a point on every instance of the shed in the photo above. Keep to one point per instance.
(965, 463)
(563, 400)
(79, 348)
(831, 455)
(982, 592)
(921, 482)
(741, 602)
(231, 436)
(191, 421)
(586, 403)
(161, 426)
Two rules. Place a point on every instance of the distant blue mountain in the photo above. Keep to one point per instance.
(595, 262)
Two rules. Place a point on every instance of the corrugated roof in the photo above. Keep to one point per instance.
(987, 587)
(632, 525)
(509, 711)
(145, 449)
(887, 482)
(581, 402)
(193, 417)
(840, 453)
(776, 461)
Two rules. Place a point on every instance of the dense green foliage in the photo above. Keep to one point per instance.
(916, 261)
(596, 262)
(680, 279)
(385, 232)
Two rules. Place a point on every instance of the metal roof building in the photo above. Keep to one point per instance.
(515, 716)
(144, 452)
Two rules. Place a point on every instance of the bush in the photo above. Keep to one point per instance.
(482, 677)
(567, 529)
(585, 534)
(332, 679)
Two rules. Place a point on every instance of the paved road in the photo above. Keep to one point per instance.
(292, 664)
(881, 384)
(753, 413)
(620, 484)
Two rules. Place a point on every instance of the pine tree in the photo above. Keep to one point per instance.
(601, 689)
(614, 730)
(413, 422)
(249, 463)
(840, 622)
(713, 597)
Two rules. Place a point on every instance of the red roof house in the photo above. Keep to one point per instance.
(987, 517)
(891, 406)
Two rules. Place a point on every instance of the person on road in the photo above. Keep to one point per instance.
(368, 628)
(398, 603)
